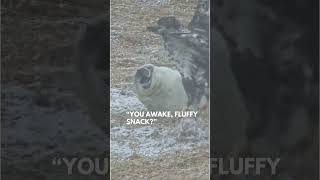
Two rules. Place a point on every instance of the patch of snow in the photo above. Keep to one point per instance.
(155, 141)
(123, 101)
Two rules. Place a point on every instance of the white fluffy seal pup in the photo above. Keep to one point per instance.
(160, 88)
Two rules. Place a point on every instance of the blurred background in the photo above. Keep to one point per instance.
(41, 117)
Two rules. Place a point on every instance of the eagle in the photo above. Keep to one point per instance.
(188, 48)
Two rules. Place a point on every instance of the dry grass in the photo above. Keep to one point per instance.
(132, 46)
(175, 167)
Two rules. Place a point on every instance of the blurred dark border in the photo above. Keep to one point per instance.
(37, 50)
(274, 49)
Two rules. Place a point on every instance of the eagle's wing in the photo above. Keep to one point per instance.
(188, 47)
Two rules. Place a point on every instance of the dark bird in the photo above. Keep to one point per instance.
(188, 47)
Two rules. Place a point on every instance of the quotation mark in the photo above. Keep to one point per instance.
(56, 162)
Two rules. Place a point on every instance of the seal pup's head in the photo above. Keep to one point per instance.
(143, 76)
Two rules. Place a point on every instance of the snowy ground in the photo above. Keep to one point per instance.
(169, 148)
(151, 141)
(178, 143)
